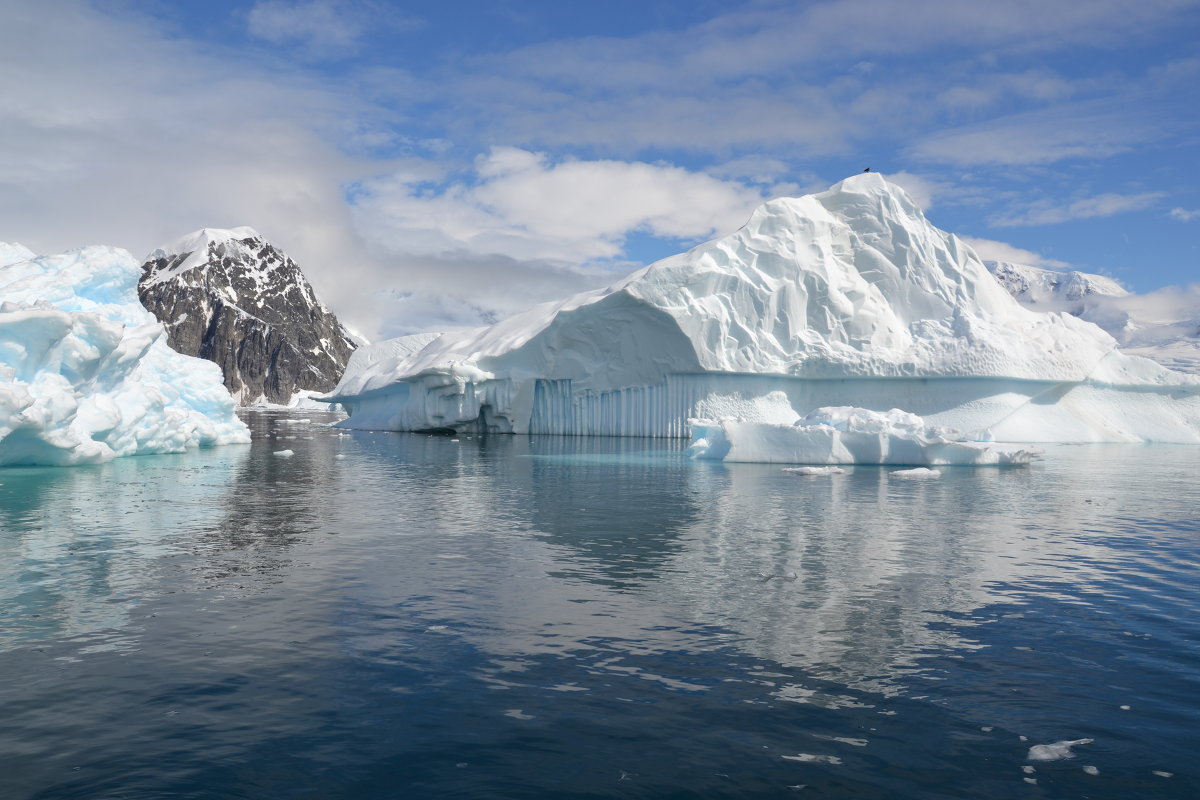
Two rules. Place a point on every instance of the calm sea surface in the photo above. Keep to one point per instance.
(406, 616)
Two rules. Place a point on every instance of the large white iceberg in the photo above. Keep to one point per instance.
(85, 373)
(848, 297)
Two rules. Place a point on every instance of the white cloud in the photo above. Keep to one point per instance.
(522, 205)
(992, 250)
(1106, 204)
(1184, 215)
(521, 228)
(130, 138)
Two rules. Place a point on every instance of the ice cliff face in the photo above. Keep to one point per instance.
(85, 371)
(846, 297)
(231, 297)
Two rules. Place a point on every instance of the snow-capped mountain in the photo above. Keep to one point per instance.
(233, 298)
(1163, 326)
(1053, 290)
(848, 297)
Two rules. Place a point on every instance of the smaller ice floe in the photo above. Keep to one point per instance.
(847, 435)
(916, 472)
(814, 471)
(790, 577)
(1055, 751)
(283, 453)
(1091, 770)
(811, 758)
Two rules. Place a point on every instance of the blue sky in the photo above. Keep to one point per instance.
(441, 164)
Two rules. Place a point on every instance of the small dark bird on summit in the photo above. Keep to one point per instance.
(868, 169)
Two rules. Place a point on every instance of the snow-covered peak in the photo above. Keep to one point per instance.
(196, 249)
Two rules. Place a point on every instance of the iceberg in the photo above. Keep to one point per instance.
(85, 372)
(848, 297)
(846, 435)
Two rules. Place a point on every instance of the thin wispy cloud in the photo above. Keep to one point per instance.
(1185, 215)
(1107, 204)
(320, 29)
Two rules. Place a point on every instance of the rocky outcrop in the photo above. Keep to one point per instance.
(233, 298)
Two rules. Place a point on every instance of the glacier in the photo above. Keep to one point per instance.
(85, 372)
(847, 297)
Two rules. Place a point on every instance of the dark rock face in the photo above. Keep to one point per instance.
(235, 299)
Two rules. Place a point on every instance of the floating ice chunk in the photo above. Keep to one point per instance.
(283, 453)
(1091, 770)
(1160, 773)
(340, 456)
(811, 758)
(1055, 751)
(847, 435)
(814, 471)
(916, 472)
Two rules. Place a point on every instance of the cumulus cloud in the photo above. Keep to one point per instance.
(520, 227)
(992, 250)
(1106, 204)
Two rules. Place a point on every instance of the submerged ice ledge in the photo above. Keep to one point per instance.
(847, 435)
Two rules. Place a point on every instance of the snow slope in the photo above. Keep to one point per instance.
(846, 297)
(85, 373)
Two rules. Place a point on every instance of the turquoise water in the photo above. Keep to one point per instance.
(508, 617)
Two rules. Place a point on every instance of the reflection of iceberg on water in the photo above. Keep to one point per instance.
(849, 297)
(846, 435)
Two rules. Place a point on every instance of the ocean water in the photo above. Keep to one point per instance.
(390, 615)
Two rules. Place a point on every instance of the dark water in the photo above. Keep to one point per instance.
(512, 618)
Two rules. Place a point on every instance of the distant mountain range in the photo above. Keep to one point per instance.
(1163, 326)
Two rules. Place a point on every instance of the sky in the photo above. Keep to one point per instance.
(435, 165)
